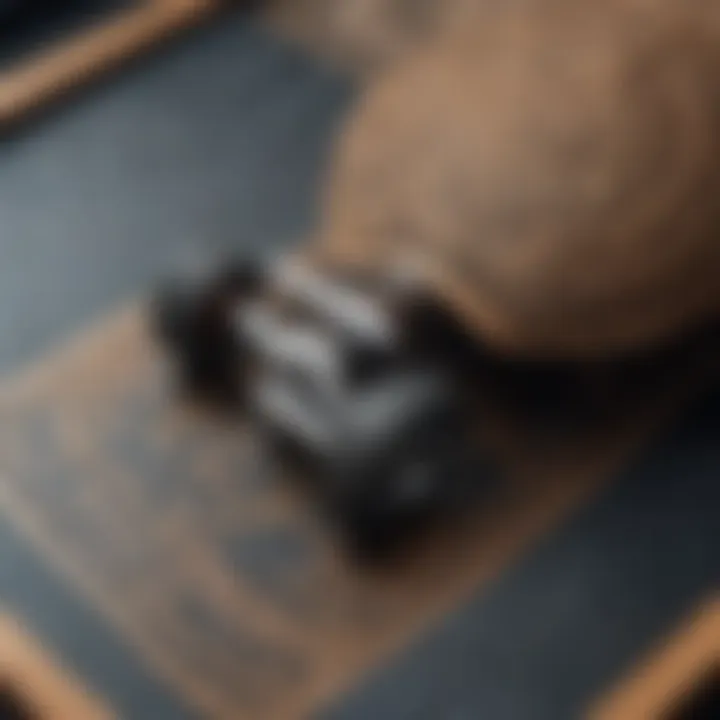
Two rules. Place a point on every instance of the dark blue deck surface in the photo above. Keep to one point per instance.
(222, 141)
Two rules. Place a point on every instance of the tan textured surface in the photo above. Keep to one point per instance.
(556, 171)
(670, 673)
(50, 691)
(213, 569)
(77, 60)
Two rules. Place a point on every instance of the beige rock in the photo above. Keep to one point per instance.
(556, 173)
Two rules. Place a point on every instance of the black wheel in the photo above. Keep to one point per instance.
(368, 533)
(193, 319)
(395, 496)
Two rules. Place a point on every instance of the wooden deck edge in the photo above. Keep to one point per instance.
(668, 673)
(26, 668)
(88, 55)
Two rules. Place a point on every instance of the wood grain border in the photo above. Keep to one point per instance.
(74, 62)
(53, 693)
(654, 687)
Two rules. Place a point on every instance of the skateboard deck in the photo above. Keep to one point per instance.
(170, 521)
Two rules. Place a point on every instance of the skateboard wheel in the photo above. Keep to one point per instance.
(367, 533)
(192, 317)
(378, 507)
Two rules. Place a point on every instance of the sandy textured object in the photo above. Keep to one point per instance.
(557, 172)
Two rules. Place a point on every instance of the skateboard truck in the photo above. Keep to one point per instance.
(358, 377)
